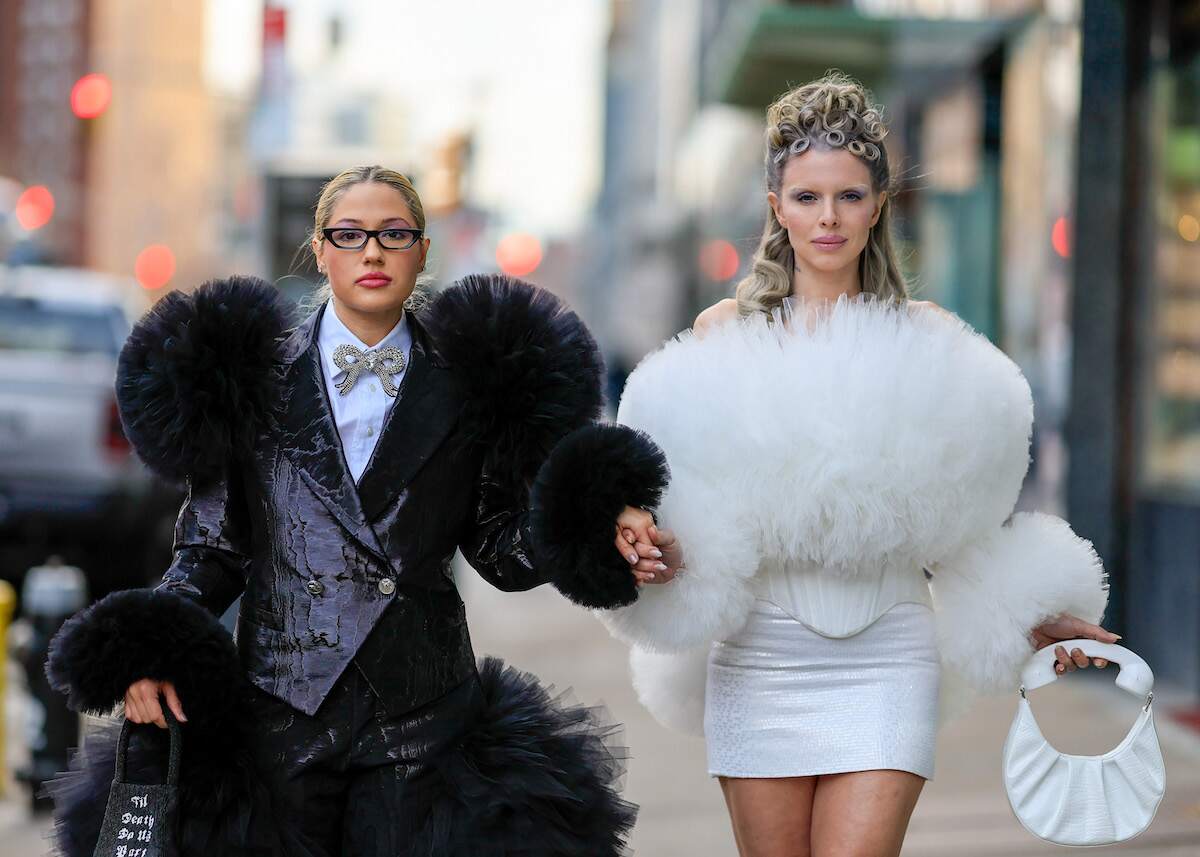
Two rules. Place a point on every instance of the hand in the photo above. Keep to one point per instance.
(636, 544)
(142, 702)
(1067, 627)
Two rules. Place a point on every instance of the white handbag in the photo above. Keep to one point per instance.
(1085, 800)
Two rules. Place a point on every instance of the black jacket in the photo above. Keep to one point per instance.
(332, 571)
(495, 416)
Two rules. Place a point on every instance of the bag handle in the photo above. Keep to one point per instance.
(1134, 675)
(176, 748)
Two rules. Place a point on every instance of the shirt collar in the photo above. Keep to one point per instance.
(332, 332)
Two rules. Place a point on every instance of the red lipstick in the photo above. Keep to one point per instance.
(374, 280)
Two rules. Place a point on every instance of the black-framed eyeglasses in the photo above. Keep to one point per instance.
(394, 238)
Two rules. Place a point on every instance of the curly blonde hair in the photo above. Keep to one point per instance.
(833, 112)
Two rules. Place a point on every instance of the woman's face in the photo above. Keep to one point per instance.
(826, 204)
(371, 280)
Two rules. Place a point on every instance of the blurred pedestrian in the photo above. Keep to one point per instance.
(837, 449)
(333, 470)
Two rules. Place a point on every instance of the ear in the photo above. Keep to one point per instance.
(883, 195)
(315, 243)
(424, 253)
(773, 199)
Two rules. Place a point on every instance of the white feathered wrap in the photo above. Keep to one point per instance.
(879, 433)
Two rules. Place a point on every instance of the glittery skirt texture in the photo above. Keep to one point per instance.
(785, 701)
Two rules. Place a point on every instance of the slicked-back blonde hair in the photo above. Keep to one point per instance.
(833, 112)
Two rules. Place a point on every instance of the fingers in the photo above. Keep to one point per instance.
(173, 701)
(626, 549)
(1100, 662)
(1068, 663)
(651, 566)
(142, 705)
(647, 551)
(662, 538)
(1080, 628)
(1081, 660)
(133, 710)
(1065, 664)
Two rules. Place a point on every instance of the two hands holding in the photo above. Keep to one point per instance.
(654, 556)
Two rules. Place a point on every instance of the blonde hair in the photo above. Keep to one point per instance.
(833, 112)
(332, 191)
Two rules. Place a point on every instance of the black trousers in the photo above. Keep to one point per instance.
(353, 778)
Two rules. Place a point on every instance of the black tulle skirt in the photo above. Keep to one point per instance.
(532, 776)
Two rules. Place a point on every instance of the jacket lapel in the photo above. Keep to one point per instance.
(424, 412)
(309, 438)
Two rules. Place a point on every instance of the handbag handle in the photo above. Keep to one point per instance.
(176, 748)
(1134, 675)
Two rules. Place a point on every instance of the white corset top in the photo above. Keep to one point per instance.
(840, 604)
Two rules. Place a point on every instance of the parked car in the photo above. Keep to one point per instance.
(69, 483)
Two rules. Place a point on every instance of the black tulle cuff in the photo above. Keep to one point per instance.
(580, 490)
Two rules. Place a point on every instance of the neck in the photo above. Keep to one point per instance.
(813, 285)
(369, 327)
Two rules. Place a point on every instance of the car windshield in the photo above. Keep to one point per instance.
(36, 326)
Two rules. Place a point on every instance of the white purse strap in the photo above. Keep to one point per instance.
(1134, 674)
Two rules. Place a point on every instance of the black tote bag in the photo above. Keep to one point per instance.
(142, 820)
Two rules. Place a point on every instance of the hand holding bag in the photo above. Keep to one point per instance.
(141, 820)
(1085, 800)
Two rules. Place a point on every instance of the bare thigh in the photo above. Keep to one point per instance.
(863, 814)
(771, 817)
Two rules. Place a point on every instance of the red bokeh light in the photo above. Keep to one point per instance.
(154, 266)
(90, 96)
(1060, 237)
(35, 207)
(518, 254)
(718, 259)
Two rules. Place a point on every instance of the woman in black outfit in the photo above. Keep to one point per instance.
(333, 470)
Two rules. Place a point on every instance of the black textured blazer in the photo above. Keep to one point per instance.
(334, 572)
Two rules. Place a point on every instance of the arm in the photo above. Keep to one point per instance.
(1024, 586)
(212, 546)
(497, 543)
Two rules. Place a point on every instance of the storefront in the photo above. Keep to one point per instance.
(1134, 426)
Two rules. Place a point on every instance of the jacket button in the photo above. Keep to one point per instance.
(387, 586)
(315, 587)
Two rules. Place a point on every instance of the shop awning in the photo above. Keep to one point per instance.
(765, 49)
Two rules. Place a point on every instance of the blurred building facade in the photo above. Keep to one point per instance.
(1134, 419)
(129, 167)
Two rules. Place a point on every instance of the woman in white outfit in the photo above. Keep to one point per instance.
(836, 450)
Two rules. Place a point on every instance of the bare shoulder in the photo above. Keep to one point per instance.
(930, 305)
(721, 311)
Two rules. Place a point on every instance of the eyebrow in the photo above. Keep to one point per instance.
(802, 189)
(383, 223)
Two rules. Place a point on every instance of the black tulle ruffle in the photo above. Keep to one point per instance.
(533, 776)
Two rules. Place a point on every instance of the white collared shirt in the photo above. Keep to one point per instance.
(359, 414)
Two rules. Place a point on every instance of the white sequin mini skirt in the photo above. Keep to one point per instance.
(785, 701)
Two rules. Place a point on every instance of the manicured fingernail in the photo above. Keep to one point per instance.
(658, 566)
(656, 553)
(632, 557)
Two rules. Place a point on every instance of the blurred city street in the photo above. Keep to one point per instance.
(1044, 186)
(962, 813)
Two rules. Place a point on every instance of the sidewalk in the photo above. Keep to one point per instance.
(962, 813)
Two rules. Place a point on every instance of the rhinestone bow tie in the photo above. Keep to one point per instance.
(384, 362)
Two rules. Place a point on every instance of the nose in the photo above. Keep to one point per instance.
(829, 216)
(373, 250)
